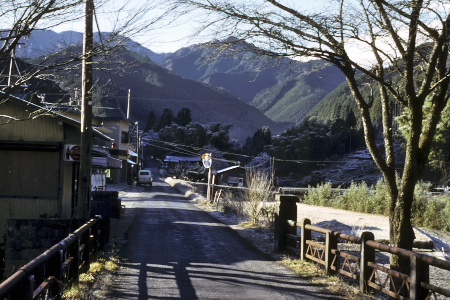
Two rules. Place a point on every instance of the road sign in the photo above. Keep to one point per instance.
(207, 160)
(73, 152)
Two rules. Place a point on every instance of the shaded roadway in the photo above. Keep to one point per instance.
(174, 250)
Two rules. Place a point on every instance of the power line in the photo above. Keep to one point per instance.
(114, 87)
(238, 154)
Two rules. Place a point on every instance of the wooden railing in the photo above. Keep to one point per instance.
(51, 272)
(356, 257)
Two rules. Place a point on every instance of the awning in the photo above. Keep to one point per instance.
(132, 153)
(103, 129)
(131, 162)
(106, 162)
(177, 159)
(114, 163)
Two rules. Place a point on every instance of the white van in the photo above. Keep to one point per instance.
(145, 177)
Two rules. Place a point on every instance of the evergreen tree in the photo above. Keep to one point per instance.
(184, 117)
(261, 138)
(151, 121)
(166, 119)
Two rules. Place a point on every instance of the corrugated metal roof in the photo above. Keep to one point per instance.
(229, 169)
(53, 113)
(170, 158)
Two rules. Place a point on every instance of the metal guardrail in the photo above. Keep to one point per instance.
(48, 274)
(363, 266)
(304, 191)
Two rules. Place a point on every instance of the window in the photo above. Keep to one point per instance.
(125, 138)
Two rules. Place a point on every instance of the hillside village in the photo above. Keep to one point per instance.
(242, 108)
(270, 106)
(40, 127)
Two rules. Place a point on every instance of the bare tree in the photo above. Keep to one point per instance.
(20, 18)
(405, 58)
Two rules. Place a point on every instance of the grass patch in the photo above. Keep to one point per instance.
(317, 275)
(94, 283)
(428, 211)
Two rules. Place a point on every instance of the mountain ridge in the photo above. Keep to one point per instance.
(154, 88)
(258, 80)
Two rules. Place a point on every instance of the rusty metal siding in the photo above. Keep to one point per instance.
(29, 174)
(41, 129)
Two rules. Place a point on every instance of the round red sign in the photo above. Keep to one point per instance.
(75, 152)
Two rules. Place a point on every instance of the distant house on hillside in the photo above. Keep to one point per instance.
(232, 176)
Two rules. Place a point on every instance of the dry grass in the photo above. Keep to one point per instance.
(94, 283)
(317, 275)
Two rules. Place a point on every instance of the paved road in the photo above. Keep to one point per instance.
(174, 250)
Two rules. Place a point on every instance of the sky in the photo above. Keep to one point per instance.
(158, 38)
(161, 37)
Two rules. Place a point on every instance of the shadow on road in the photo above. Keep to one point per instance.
(174, 250)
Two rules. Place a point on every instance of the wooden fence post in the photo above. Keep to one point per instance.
(286, 210)
(367, 254)
(420, 272)
(330, 244)
(306, 236)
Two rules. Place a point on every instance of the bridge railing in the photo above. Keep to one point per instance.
(51, 272)
(359, 259)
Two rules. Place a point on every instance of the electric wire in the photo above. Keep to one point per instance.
(237, 154)
(114, 86)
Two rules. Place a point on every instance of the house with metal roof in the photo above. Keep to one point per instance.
(39, 161)
(232, 176)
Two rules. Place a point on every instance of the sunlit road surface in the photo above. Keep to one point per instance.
(174, 250)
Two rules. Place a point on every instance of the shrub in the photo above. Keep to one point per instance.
(378, 202)
(258, 193)
(231, 203)
(355, 198)
(433, 215)
(446, 213)
(321, 195)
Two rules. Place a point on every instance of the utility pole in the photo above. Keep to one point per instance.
(138, 160)
(272, 170)
(83, 204)
(128, 105)
(128, 168)
(11, 64)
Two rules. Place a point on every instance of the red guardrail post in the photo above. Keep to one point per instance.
(60, 275)
(306, 236)
(95, 239)
(88, 249)
(77, 260)
(31, 280)
(367, 254)
(420, 272)
(330, 244)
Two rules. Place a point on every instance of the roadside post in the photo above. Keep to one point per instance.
(207, 163)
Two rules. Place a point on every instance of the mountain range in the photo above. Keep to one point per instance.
(283, 89)
(232, 86)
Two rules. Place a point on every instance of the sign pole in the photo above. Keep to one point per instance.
(207, 163)
(208, 192)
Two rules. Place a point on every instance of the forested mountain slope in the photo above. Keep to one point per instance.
(284, 89)
(154, 88)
